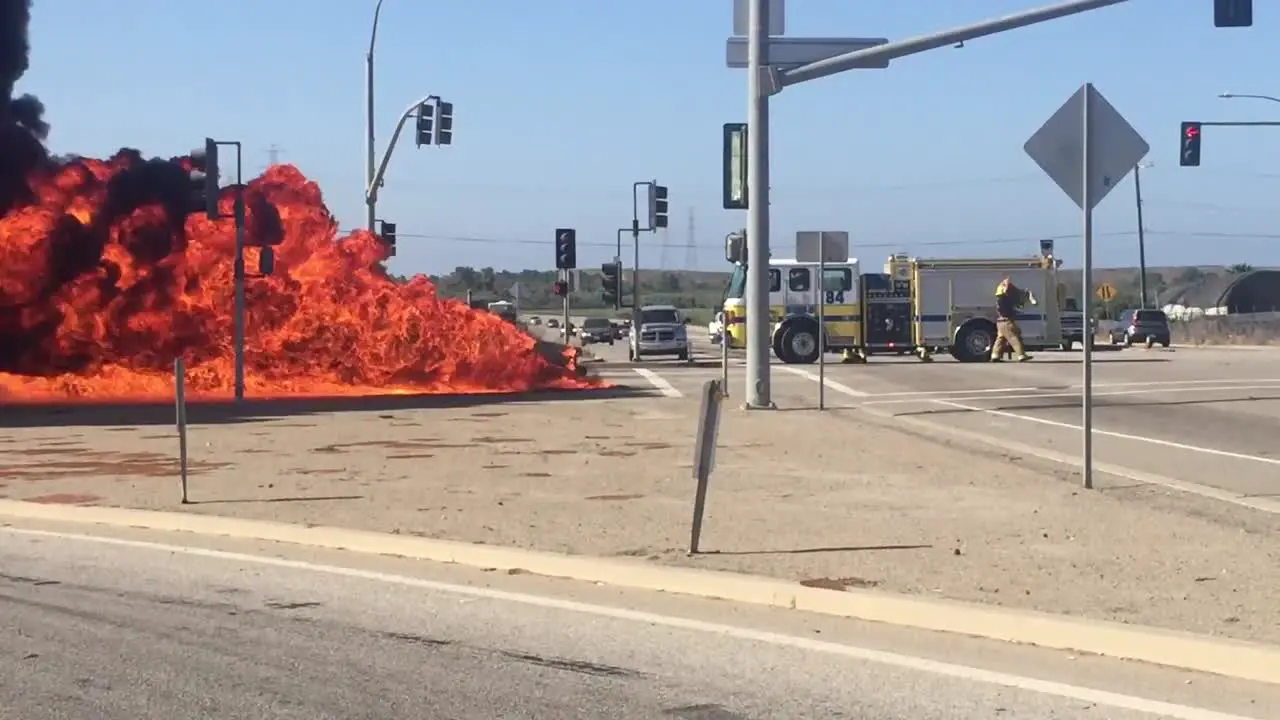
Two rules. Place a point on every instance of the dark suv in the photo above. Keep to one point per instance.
(1136, 326)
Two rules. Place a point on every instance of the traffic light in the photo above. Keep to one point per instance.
(266, 260)
(1232, 13)
(658, 206)
(1190, 144)
(611, 279)
(426, 121)
(566, 248)
(388, 236)
(561, 288)
(444, 135)
(203, 180)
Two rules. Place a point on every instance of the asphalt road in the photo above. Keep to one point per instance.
(1204, 416)
(117, 631)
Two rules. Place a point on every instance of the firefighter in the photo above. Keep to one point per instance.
(1009, 298)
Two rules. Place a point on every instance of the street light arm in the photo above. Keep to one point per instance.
(371, 193)
(373, 34)
(911, 46)
(1232, 96)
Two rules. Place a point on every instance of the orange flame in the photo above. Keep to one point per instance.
(146, 288)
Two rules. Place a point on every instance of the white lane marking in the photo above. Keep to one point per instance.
(1112, 433)
(1253, 502)
(1048, 395)
(659, 382)
(831, 384)
(907, 662)
(1028, 389)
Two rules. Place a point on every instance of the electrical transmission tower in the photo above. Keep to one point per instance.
(273, 155)
(691, 248)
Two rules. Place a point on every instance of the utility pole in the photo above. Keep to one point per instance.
(1142, 245)
(691, 250)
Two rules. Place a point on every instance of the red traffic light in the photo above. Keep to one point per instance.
(1192, 131)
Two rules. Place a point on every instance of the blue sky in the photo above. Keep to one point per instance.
(561, 104)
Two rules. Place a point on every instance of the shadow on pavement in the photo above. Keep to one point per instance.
(251, 410)
(818, 550)
(251, 501)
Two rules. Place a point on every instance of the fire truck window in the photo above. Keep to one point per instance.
(837, 280)
(775, 280)
(798, 279)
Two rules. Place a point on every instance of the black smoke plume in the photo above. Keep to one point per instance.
(22, 126)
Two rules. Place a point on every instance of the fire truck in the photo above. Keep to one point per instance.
(953, 302)
(921, 306)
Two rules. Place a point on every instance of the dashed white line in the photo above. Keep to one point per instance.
(1111, 433)
(659, 382)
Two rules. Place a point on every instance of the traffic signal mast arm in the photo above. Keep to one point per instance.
(1192, 136)
(371, 192)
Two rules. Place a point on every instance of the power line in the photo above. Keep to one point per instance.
(1028, 239)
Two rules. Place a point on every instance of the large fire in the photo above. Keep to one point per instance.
(102, 286)
(106, 278)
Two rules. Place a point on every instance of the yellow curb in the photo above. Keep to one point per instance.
(1232, 658)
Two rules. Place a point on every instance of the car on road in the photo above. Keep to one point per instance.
(659, 330)
(715, 329)
(596, 330)
(553, 323)
(1137, 326)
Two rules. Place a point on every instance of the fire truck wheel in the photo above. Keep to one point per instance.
(800, 344)
(973, 342)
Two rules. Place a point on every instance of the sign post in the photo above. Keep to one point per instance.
(180, 405)
(1086, 148)
(704, 456)
(823, 247)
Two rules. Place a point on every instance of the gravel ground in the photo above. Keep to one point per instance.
(834, 501)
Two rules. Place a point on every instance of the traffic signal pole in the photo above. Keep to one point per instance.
(239, 277)
(763, 81)
(568, 334)
(617, 257)
(758, 393)
(635, 243)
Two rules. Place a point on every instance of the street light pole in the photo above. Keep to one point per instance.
(371, 197)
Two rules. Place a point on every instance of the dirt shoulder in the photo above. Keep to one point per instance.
(833, 501)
